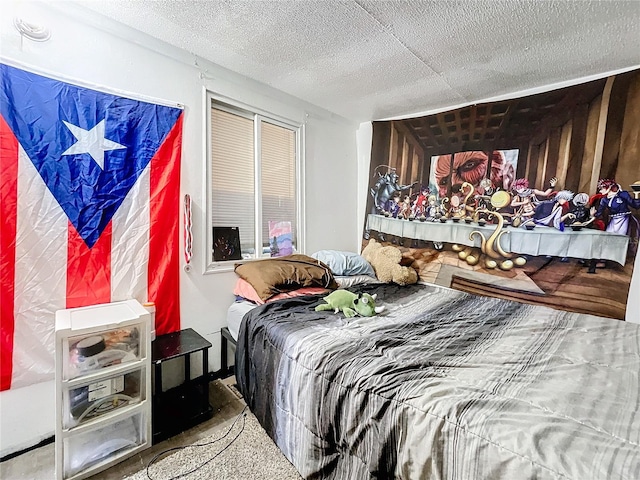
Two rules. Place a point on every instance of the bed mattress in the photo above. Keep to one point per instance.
(234, 316)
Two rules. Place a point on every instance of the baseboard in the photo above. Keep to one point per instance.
(218, 374)
(44, 442)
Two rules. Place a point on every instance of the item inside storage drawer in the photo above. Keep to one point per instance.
(92, 447)
(95, 399)
(93, 352)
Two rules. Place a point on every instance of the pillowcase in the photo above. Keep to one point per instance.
(352, 280)
(345, 263)
(245, 290)
(298, 293)
(276, 275)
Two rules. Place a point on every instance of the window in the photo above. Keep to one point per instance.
(253, 179)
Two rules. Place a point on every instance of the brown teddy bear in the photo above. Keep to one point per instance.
(386, 263)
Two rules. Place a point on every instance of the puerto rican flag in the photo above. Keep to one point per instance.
(89, 191)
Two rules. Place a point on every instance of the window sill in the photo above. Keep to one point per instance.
(228, 266)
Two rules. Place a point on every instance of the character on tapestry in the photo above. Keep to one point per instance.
(555, 213)
(483, 205)
(580, 210)
(420, 203)
(617, 203)
(525, 199)
(459, 206)
(419, 209)
(433, 211)
(385, 188)
(472, 167)
(405, 208)
(456, 207)
(392, 207)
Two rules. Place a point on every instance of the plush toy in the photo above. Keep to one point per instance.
(385, 261)
(350, 304)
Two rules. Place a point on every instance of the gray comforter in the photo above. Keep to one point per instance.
(445, 385)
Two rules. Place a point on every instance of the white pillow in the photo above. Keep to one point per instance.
(344, 263)
(351, 280)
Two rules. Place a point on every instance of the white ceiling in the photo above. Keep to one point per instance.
(374, 59)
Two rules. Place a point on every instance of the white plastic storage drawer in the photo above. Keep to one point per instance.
(86, 354)
(90, 401)
(103, 386)
(97, 337)
(88, 449)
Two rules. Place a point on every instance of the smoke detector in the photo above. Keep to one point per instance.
(37, 33)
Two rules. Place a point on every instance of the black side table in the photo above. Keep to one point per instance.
(186, 405)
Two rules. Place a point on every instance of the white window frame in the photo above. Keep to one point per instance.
(239, 108)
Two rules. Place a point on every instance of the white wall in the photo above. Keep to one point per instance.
(95, 50)
(364, 137)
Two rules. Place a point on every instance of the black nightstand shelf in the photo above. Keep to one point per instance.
(186, 405)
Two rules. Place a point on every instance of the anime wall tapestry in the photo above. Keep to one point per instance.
(535, 199)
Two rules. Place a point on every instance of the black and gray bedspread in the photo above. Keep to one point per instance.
(445, 385)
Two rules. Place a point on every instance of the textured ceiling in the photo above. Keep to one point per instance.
(374, 59)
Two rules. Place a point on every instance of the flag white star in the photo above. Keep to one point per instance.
(91, 142)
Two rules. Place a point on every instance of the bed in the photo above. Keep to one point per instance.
(444, 385)
(235, 313)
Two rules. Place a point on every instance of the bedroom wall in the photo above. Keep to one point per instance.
(96, 51)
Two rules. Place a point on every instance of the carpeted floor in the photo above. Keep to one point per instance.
(239, 449)
(252, 456)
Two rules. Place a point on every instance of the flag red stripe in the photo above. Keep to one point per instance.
(88, 270)
(164, 234)
(8, 222)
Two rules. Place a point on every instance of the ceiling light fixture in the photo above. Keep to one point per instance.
(37, 33)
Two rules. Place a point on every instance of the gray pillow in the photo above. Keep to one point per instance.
(344, 263)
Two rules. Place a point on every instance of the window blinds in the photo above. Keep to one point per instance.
(233, 172)
(278, 162)
(232, 175)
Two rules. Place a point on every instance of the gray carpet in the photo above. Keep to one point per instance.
(252, 456)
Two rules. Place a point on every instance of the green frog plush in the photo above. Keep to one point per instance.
(350, 304)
